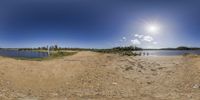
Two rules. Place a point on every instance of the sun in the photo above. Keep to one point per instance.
(153, 28)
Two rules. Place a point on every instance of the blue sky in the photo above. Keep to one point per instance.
(99, 24)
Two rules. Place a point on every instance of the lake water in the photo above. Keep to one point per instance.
(24, 54)
(167, 52)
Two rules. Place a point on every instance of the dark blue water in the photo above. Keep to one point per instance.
(24, 54)
(168, 52)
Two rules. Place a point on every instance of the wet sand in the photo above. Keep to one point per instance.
(95, 76)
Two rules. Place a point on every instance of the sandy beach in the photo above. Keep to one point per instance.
(96, 76)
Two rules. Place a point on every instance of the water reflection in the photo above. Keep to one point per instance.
(25, 54)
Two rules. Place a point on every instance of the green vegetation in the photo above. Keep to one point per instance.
(39, 50)
(128, 51)
(53, 48)
(61, 54)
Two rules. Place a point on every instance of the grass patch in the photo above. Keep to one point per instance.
(39, 50)
(62, 54)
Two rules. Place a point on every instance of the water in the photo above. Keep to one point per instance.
(24, 54)
(168, 52)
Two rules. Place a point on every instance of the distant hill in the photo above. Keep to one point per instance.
(181, 48)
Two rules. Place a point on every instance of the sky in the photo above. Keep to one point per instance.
(99, 23)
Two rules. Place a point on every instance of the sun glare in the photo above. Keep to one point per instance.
(153, 29)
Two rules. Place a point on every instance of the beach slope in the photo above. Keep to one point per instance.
(96, 76)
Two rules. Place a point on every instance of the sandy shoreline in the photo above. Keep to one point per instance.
(95, 76)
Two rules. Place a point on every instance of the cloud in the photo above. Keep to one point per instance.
(124, 38)
(139, 39)
(155, 42)
(139, 36)
(136, 35)
(148, 38)
(135, 42)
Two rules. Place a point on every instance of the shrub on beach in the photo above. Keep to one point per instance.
(125, 51)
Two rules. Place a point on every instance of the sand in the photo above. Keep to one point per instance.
(95, 76)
